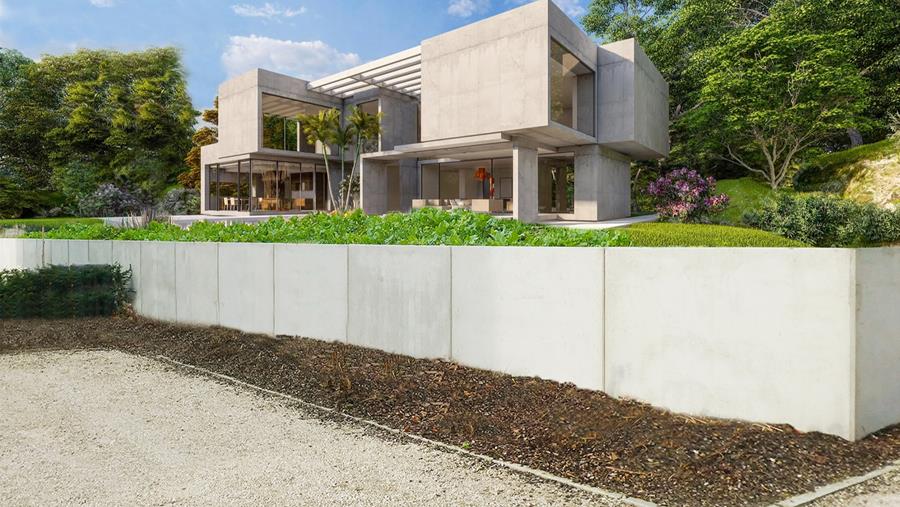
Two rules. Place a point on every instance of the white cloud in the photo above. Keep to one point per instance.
(103, 3)
(465, 8)
(304, 59)
(574, 8)
(267, 11)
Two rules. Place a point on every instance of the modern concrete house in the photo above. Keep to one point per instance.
(520, 114)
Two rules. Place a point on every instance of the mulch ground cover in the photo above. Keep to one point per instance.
(586, 436)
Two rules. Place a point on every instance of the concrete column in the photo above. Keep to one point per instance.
(525, 184)
(602, 184)
(204, 188)
(373, 186)
(409, 183)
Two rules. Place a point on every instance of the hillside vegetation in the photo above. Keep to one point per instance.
(867, 174)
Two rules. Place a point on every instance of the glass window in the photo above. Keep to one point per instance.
(571, 90)
(281, 131)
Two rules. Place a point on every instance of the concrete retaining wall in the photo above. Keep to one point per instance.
(758, 334)
(807, 337)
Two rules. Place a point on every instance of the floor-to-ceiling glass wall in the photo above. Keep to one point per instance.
(556, 185)
(481, 185)
(281, 129)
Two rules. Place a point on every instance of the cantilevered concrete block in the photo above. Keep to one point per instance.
(634, 102)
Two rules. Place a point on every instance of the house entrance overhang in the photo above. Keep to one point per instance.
(497, 145)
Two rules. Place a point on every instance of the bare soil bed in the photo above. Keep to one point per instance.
(586, 436)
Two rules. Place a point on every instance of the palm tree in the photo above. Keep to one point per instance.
(365, 126)
(321, 128)
(343, 136)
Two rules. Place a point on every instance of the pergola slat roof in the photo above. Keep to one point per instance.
(400, 72)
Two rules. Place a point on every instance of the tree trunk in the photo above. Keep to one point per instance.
(855, 137)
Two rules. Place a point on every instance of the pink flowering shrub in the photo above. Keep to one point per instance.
(683, 195)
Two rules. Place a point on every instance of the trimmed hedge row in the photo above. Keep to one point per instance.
(63, 292)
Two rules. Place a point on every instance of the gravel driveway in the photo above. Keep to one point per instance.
(883, 491)
(108, 428)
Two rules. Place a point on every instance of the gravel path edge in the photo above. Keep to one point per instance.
(824, 491)
(541, 474)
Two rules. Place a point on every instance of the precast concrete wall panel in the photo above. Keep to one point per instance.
(877, 339)
(311, 291)
(399, 299)
(30, 253)
(56, 252)
(79, 253)
(246, 287)
(744, 333)
(157, 280)
(530, 311)
(197, 283)
(100, 252)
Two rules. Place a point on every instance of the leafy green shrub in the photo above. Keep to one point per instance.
(826, 221)
(111, 201)
(702, 235)
(63, 292)
(422, 227)
(181, 201)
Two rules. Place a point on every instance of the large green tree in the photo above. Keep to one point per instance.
(203, 136)
(98, 116)
(772, 92)
(873, 45)
(680, 35)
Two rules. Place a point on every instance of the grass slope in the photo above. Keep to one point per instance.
(867, 173)
(744, 194)
(703, 235)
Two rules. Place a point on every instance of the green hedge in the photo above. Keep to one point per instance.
(63, 292)
(422, 227)
(688, 235)
(827, 221)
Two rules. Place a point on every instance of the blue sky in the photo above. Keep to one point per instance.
(220, 38)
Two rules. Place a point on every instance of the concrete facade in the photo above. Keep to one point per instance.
(806, 337)
(526, 78)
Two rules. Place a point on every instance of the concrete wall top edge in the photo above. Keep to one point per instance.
(616, 248)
